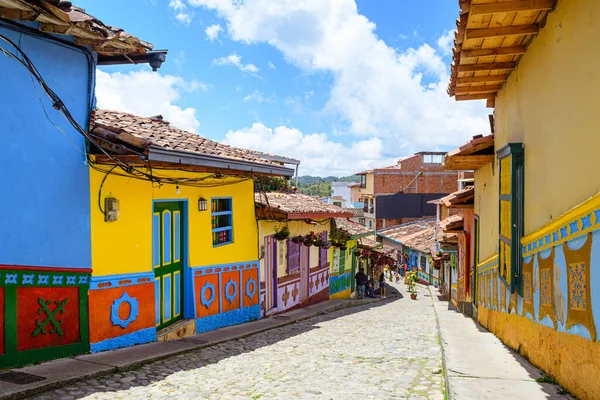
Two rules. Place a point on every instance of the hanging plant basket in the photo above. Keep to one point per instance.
(344, 247)
(358, 253)
(310, 239)
(298, 239)
(281, 233)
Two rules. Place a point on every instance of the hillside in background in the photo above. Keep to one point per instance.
(318, 186)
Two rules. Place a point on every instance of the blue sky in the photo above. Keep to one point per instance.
(342, 85)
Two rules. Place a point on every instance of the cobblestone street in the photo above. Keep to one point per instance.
(383, 350)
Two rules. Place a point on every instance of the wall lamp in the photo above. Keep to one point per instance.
(202, 203)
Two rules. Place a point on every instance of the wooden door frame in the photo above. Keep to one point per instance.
(271, 265)
(187, 300)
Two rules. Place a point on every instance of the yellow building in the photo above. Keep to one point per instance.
(537, 194)
(173, 232)
(292, 274)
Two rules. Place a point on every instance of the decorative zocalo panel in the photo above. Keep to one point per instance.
(122, 311)
(225, 295)
(45, 313)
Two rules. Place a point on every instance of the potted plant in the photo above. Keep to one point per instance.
(281, 233)
(310, 239)
(358, 253)
(321, 243)
(298, 239)
(411, 280)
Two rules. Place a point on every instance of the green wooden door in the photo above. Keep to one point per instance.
(167, 246)
(352, 280)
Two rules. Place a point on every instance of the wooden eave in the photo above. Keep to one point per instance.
(471, 156)
(265, 212)
(491, 37)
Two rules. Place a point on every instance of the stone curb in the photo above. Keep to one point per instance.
(439, 330)
(109, 369)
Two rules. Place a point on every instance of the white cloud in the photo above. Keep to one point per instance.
(213, 31)
(147, 93)
(377, 91)
(235, 60)
(318, 154)
(446, 42)
(182, 13)
(258, 97)
(271, 65)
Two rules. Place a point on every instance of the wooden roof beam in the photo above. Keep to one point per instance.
(477, 89)
(485, 67)
(482, 79)
(511, 6)
(483, 96)
(495, 51)
(502, 31)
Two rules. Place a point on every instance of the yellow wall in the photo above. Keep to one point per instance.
(125, 246)
(369, 184)
(550, 104)
(266, 228)
(486, 207)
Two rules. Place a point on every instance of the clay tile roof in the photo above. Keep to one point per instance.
(372, 244)
(419, 236)
(63, 18)
(299, 206)
(156, 132)
(464, 196)
(402, 231)
(453, 222)
(357, 212)
(353, 228)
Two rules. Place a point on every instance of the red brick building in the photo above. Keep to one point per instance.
(399, 193)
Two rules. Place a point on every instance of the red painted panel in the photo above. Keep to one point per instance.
(225, 278)
(101, 301)
(246, 275)
(213, 308)
(47, 317)
(2, 320)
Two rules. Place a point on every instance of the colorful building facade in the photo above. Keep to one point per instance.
(180, 257)
(45, 261)
(293, 275)
(537, 200)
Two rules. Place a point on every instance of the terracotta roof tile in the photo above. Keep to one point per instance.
(159, 133)
(297, 203)
(353, 228)
(407, 229)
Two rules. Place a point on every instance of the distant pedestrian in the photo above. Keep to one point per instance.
(382, 284)
(371, 288)
(361, 281)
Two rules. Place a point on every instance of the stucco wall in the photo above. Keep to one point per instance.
(45, 219)
(486, 207)
(549, 104)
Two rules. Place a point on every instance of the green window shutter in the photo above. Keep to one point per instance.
(511, 218)
(342, 261)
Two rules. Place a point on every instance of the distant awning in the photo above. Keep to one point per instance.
(471, 156)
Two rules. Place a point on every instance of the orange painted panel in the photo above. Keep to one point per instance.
(250, 288)
(101, 301)
(47, 317)
(209, 305)
(234, 290)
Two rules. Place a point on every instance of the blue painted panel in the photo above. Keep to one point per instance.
(157, 299)
(177, 235)
(166, 298)
(155, 240)
(238, 316)
(120, 280)
(166, 237)
(177, 293)
(44, 171)
(130, 339)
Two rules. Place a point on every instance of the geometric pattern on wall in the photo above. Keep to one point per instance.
(494, 289)
(578, 278)
(528, 287)
(502, 296)
(546, 279)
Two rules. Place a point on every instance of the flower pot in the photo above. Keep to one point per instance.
(413, 296)
(298, 239)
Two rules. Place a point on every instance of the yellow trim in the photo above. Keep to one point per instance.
(155, 299)
(157, 265)
(174, 237)
(573, 215)
(163, 238)
(488, 261)
(173, 298)
(164, 297)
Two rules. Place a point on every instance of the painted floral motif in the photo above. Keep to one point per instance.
(546, 292)
(577, 287)
(528, 296)
(502, 297)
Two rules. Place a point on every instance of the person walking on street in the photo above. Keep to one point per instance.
(382, 284)
(361, 281)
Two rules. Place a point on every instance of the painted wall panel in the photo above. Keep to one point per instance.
(51, 227)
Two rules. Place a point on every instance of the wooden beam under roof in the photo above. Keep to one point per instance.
(482, 79)
(477, 89)
(491, 102)
(494, 51)
(485, 67)
(510, 6)
(457, 163)
(483, 96)
(502, 31)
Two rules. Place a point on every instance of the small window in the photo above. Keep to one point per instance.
(433, 158)
(342, 265)
(293, 257)
(361, 221)
(323, 252)
(370, 224)
(222, 221)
